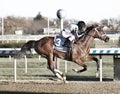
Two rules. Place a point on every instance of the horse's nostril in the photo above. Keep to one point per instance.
(107, 39)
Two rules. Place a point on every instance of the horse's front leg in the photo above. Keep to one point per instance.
(79, 62)
(82, 70)
(97, 64)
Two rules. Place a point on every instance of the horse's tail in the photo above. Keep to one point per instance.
(26, 47)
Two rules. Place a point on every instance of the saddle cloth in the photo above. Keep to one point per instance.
(59, 42)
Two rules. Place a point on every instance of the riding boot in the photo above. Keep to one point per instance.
(69, 48)
(68, 44)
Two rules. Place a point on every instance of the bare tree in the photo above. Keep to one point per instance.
(11, 24)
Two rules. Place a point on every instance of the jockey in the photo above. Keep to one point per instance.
(72, 32)
(81, 28)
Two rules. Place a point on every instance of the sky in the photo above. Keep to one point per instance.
(87, 10)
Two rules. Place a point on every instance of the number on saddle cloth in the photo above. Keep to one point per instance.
(59, 43)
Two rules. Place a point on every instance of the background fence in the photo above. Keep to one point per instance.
(36, 37)
(18, 38)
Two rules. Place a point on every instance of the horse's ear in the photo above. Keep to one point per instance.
(89, 28)
(102, 26)
(95, 25)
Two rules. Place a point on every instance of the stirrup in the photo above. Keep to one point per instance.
(67, 43)
(68, 53)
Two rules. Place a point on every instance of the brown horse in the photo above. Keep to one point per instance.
(79, 51)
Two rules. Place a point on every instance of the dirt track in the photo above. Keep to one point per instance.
(58, 87)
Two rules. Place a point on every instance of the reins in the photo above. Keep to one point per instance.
(100, 36)
(92, 35)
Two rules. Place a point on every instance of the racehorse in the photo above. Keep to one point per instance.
(79, 51)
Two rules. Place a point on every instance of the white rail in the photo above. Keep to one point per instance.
(37, 37)
(94, 51)
(21, 37)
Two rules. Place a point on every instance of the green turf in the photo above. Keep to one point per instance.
(38, 68)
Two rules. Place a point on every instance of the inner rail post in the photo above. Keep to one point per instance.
(100, 68)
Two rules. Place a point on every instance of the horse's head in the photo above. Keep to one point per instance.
(98, 32)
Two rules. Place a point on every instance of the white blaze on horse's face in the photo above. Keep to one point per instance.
(101, 34)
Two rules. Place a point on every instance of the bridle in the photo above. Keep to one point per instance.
(99, 35)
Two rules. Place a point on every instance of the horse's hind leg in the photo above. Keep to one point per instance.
(51, 65)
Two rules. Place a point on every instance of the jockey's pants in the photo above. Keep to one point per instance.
(70, 36)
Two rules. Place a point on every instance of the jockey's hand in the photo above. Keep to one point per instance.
(73, 41)
(73, 32)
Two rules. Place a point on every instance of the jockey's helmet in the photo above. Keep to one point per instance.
(81, 25)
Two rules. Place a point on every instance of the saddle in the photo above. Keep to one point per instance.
(59, 43)
(62, 44)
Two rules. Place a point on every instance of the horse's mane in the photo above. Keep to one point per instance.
(89, 29)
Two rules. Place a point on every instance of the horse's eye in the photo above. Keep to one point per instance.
(98, 29)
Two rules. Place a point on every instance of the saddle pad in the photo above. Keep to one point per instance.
(58, 43)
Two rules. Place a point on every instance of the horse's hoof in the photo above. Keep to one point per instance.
(65, 82)
(76, 70)
(97, 74)
(64, 77)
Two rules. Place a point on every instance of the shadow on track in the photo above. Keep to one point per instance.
(18, 92)
(86, 78)
(79, 78)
